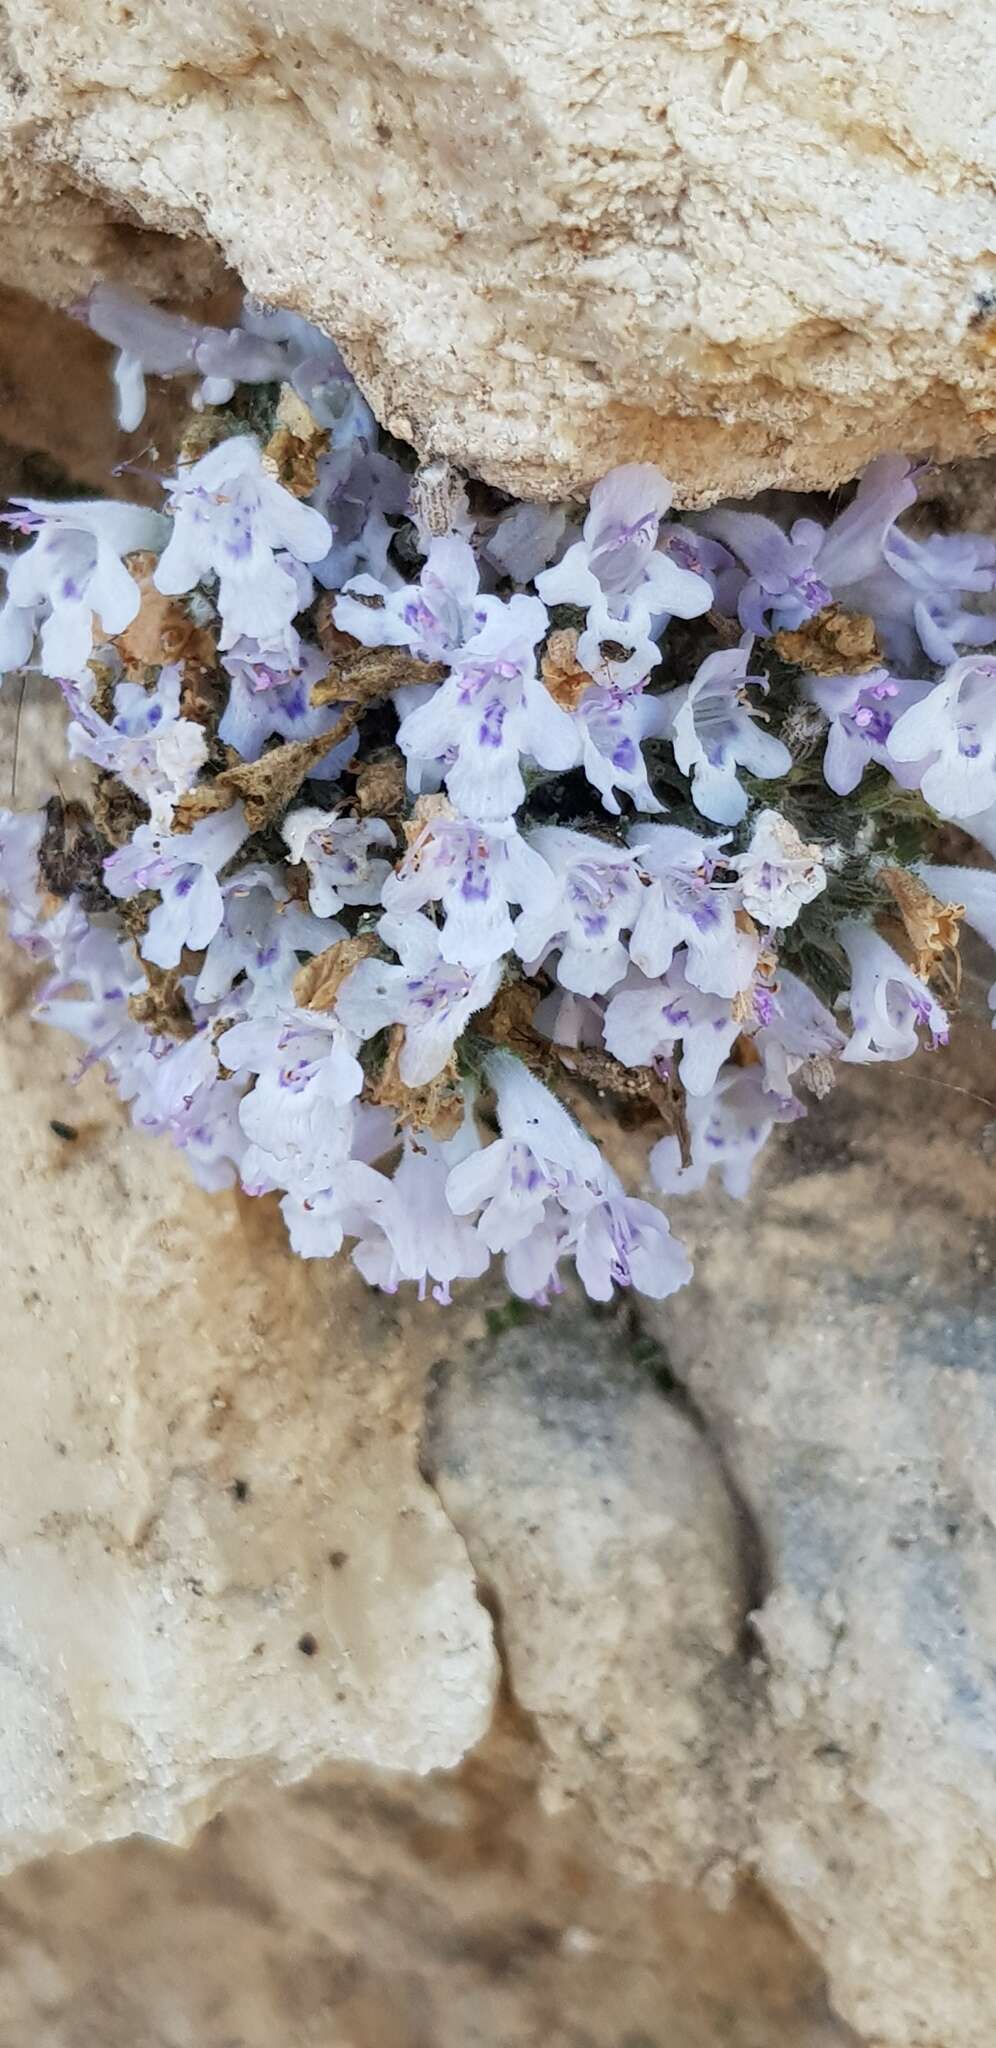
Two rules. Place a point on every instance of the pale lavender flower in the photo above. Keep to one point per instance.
(265, 347)
(647, 1020)
(231, 519)
(433, 999)
(477, 873)
(168, 345)
(176, 1090)
(491, 711)
(619, 576)
(779, 872)
(410, 1232)
(318, 1222)
(613, 723)
(544, 1193)
(796, 1028)
(298, 1117)
(524, 540)
(975, 890)
(183, 867)
(21, 834)
(337, 852)
(311, 363)
(72, 572)
(684, 905)
(713, 731)
(540, 1157)
(623, 1242)
(433, 617)
(88, 994)
(707, 557)
(598, 896)
(887, 1001)
(953, 729)
(916, 595)
(261, 934)
(792, 576)
(727, 1129)
(271, 696)
(359, 492)
(148, 745)
(862, 711)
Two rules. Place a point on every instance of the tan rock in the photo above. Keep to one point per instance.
(217, 1558)
(755, 245)
(599, 1522)
(839, 1339)
(372, 1911)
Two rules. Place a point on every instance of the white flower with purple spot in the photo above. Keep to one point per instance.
(432, 998)
(645, 1023)
(268, 699)
(231, 519)
(613, 724)
(713, 731)
(779, 872)
(73, 572)
(477, 873)
(258, 943)
(183, 868)
(616, 573)
(795, 1029)
(148, 745)
(888, 1003)
(410, 1232)
(684, 905)
(299, 1115)
(491, 711)
(598, 897)
(727, 1129)
(339, 855)
(953, 729)
(862, 711)
(433, 617)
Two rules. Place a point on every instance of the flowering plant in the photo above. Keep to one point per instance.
(420, 817)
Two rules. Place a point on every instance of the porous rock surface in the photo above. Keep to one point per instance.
(597, 1516)
(839, 1340)
(218, 1559)
(753, 243)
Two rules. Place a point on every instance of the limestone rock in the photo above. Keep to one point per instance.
(840, 1338)
(371, 1911)
(218, 1559)
(753, 244)
(597, 1517)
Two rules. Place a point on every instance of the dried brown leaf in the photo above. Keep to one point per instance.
(162, 1006)
(832, 643)
(925, 932)
(318, 982)
(161, 630)
(371, 674)
(295, 447)
(436, 1107)
(561, 670)
(117, 811)
(266, 786)
(381, 785)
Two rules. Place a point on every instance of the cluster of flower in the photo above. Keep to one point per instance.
(367, 902)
